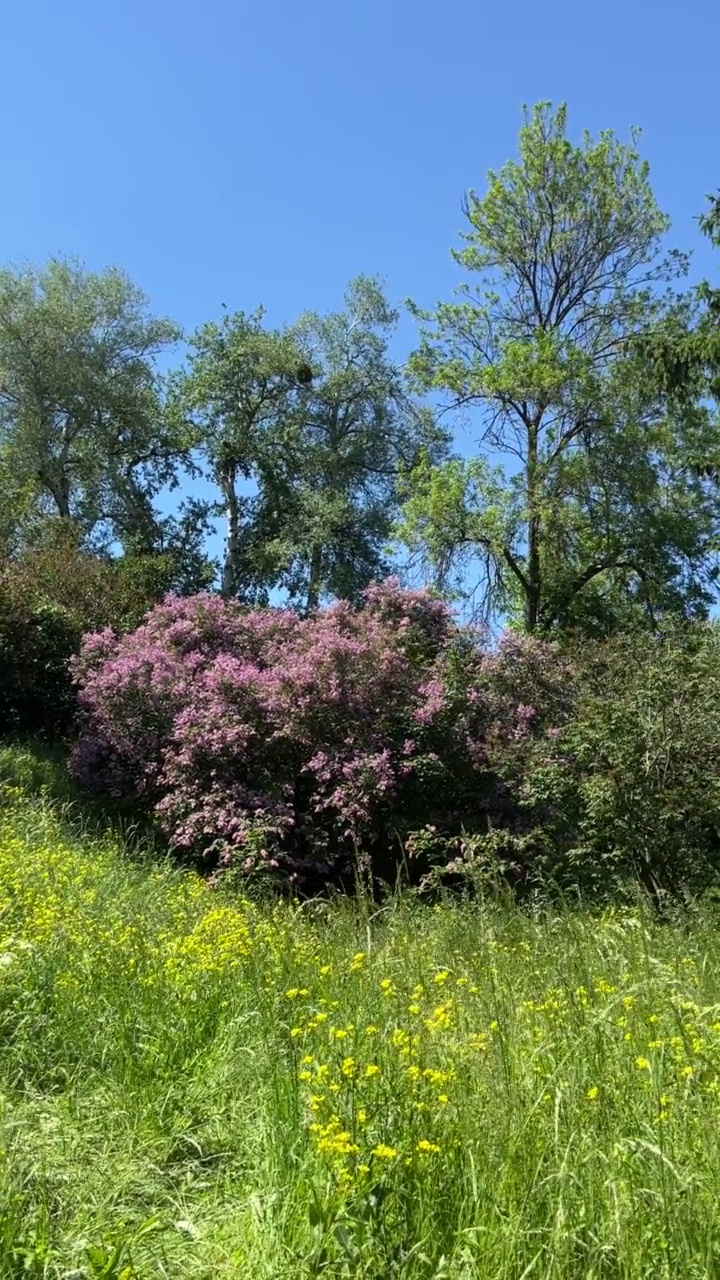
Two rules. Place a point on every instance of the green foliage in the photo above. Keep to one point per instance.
(37, 640)
(51, 593)
(37, 768)
(683, 359)
(96, 589)
(315, 423)
(237, 395)
(114, 1261)
(359, 432)
(456, 512)
(627, 784)
(566, 242)
(82, 425)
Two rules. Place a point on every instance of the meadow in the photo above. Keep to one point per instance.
(194, 1084)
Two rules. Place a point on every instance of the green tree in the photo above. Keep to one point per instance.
(597, 516)
(83, 429)
(685, 358)
(239, 393)
(357, 432)
(316, 423)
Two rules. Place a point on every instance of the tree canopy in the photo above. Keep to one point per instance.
(586, 367)
(318, 423)
(81, 411)
(595, 512)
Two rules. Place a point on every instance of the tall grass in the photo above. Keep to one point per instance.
(194, 1085)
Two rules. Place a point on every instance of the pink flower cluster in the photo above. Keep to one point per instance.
(303, 745)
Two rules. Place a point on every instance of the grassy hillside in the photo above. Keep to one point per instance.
(193, 1085)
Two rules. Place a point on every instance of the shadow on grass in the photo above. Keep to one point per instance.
(41, 771)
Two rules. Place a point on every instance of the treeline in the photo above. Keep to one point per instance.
(591, 374)
(587, 521)
(304, 433)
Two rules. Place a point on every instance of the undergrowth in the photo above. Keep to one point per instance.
(193, 1084)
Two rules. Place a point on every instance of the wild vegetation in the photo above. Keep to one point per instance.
(195, 1084)
(358, 890)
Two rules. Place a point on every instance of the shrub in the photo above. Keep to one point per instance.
(626, 782)
(95, 590)
(50, 595)
(386, 734)
(303, 746)
(37, 640)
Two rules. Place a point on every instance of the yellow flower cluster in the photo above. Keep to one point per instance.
(55, 900)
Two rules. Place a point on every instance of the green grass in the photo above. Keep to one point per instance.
(193, 1085)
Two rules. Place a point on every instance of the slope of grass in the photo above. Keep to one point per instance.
(192, 1085)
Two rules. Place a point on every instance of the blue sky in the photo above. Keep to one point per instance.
(267, 152)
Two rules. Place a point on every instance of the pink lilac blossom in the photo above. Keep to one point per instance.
(267, 740)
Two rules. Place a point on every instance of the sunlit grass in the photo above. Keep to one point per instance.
(195, 1085)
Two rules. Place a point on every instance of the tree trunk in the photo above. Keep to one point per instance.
(533, 593)
(315, 582)
(59, 491)
(229, 580)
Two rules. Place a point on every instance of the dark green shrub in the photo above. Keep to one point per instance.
(51, 594)
(37, 640)
(627, 783)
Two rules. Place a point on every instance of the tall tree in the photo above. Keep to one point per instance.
(239, 392)
(316, 421)
(82, 422)
(358, 431)
(597, 511)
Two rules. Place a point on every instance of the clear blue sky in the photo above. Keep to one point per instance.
(267, 152)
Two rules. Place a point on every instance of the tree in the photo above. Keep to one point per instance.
(358, 430)
(599, 517)
(238, 394)
(316, 421)
(685, 358)
(82, 423)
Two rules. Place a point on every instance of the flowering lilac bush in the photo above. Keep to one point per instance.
(300, 745)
